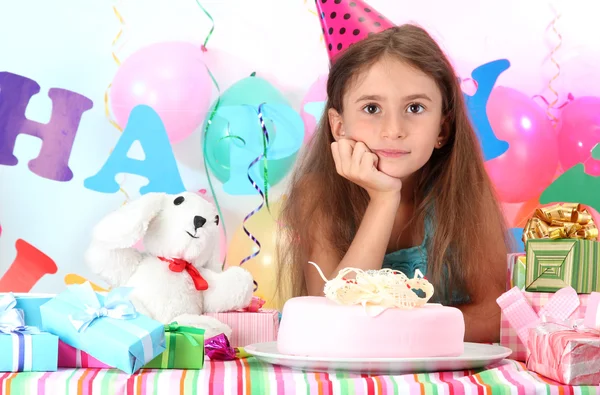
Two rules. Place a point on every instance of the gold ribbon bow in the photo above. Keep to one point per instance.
(561, 221)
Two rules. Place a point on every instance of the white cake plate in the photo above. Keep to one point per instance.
(475, 356)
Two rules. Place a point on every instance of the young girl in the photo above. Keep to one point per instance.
(394, 178)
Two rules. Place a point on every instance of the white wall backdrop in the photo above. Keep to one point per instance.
(68, 44)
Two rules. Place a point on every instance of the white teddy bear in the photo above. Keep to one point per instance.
(179, 277)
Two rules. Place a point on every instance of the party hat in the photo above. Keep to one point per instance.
(346, 22)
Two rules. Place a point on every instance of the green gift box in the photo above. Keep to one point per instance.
(555, 264)
(519, 273)
(185, 349)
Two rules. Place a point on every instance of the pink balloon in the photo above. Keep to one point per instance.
(579, 133)
(530, 163)
(316, 93)
(171, 78)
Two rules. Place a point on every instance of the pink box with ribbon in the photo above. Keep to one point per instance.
(567, 351)
(250, 327)
(523, 310)
(69, 357)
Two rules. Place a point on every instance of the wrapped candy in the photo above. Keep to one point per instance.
(218, 348)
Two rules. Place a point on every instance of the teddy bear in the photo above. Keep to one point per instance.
(179, 276)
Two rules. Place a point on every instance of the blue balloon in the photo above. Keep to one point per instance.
(236, 141)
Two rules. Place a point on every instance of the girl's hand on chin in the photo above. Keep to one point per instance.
(355, 162)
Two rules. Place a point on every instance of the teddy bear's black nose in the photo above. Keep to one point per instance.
(199, 221)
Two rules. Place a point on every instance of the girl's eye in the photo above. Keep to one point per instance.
(371, 109)
(415, 108)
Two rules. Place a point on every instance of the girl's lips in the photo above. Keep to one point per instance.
(392, 153)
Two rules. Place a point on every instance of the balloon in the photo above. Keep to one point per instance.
(313, 105)
(579, 132)
(234, 138)
(263, 227)
(171, 78)
(530, 163)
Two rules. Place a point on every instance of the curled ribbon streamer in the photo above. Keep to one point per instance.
(264, 196)
(212, 28)
(561, 221)
(570, 98)
(209, 122)
(106, 105)
(551, 105)
(313, 12)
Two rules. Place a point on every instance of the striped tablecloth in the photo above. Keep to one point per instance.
(252, 376)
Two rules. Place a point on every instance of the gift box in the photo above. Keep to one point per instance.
(562, 250)
(592, 313)
(184, 349)
(555, 264)
(523, 310)
(250, 327)
(516, 271)
(24, 348)
(106, 327)
(30, 304)
(70, 357)
(564, 354)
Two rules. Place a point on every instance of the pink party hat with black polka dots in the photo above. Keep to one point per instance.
(346, 22)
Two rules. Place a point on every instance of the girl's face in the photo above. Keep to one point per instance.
(396, 110)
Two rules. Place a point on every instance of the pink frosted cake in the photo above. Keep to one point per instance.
(370, 318)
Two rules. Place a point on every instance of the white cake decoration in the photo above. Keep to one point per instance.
(377, 290)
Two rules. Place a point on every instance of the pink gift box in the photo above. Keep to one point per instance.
(69, 357)
(566, 356)
(592, 314)
(250, 327)
(537, 300)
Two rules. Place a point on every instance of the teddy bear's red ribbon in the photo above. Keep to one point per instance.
(179, 265)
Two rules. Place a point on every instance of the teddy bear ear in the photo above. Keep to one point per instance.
(128, 224)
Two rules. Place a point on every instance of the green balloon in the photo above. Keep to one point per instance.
(251, 91)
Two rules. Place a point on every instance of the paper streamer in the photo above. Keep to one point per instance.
(208, 123)
(106, 104)
(264, 196)
(551, 105)
(313, 12)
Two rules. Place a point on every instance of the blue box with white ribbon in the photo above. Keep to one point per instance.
(24, 348)
(106, 327)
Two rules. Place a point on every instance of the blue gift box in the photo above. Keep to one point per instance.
(28, 352)
(24, 348)
(106, 327)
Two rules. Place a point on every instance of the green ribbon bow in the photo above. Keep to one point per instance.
(171, 330)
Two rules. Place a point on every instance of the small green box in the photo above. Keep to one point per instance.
(185, 349)
(519, 273)
(555, 264)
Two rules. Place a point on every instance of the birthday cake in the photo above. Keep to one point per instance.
(378, 314)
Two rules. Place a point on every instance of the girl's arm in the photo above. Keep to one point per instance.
(366, 251)
(355, 162)
(482, 315)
